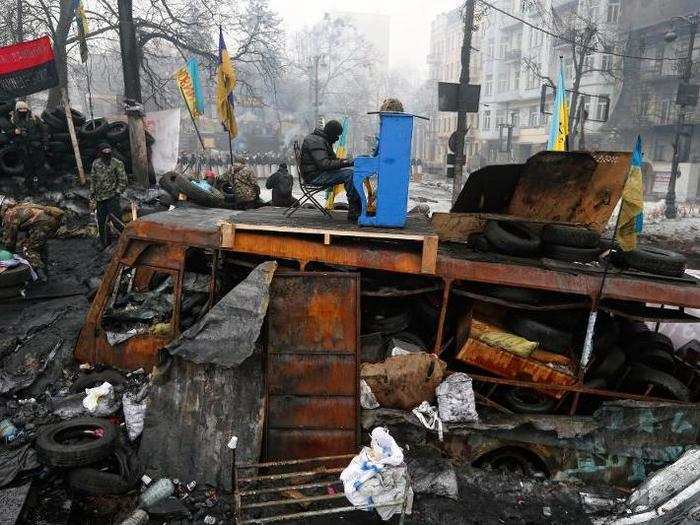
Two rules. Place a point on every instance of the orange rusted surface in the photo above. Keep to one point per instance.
(312, 365)
(506, 364)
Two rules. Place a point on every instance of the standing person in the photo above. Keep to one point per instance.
(29, 134)
(26, 228)
(281, 183)
(321, 167)
(107, 183)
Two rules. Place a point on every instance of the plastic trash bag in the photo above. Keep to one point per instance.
(455, 398)
(367, 399)
(427, 415)
(102, 395)
(377, 477)
(134, 415)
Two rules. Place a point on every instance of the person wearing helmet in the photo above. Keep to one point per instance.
(107, 183)
(29, 134)
(26, 229)
(321, 167)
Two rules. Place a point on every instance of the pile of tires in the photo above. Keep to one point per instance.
(87, 450)
(175, 184)
(13, 281)
(570, 243)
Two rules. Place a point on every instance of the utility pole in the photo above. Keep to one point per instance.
(20, 21)
(463, 86)
(692, 20)
(132, 92)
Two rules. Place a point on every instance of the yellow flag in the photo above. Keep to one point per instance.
(184, 82)
(225, 84)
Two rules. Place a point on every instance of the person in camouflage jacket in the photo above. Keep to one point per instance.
(107, 183)
(26, 229)
(244, 186)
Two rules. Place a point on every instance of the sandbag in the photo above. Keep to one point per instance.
(499, 338)
(404, 381)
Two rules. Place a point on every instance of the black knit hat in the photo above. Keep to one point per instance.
(103, 145)
(333, 128)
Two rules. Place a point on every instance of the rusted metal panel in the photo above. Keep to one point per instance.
(312, 412)
(296, 373)
(312, 365)
(578, 187)
(507, 364)
(294, 443)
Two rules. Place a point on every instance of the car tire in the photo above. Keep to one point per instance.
(656, 359)
(96, 379)
(516, 295)
(570, 254)
(482, 244)
(657, 261)
(12, 292)
(528, 401)
(93, 482)
(11, 161)
(549, 338)
(54, 452)
(116, 131)
(167, 182)
(13, 277)
(665, 385)
(573, 236)
(512, 238)
(214, 198)
(94, 129)
(610, 365)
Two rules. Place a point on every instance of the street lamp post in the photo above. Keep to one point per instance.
(687, 73)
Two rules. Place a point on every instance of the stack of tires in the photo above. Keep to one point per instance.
(60, 155)
(175, 184)
(10, 160)
(13, 281)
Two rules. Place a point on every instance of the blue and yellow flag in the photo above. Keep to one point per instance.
(79, 12)
(632, 207)
(559, 126)
(184, 82)
(225, 84)
(193, 70)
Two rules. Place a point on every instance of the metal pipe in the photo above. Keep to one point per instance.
(292, 501)
(323, 512)
(289, 487)
(294, 461)
(307, 473)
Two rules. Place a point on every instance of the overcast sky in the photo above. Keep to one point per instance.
(410, 21)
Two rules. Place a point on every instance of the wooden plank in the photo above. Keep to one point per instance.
(228, 234)
(429, 260)
(367, 233)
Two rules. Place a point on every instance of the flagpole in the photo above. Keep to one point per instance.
(230, 146)
(194, 123)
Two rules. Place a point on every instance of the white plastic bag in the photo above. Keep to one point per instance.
(97, 395)
(134, 415)
(377, 478)
(455, 398)
(367, 399)
(427, 415)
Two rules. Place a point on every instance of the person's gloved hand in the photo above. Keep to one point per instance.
(349, 160)
(93, 205)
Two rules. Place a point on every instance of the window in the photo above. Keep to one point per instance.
(590, 9)
(489, 48)
(660, 150)
(601, 109)
(532, 79)
(613, 11)
(533, 117)
(500, 117)
(588, 62)
(606, 63)
(503, 46)
(665, 113)
(568, 69)
(488, 85)
(515, 78)
(515, 118)
(487, 119)
(503, 81)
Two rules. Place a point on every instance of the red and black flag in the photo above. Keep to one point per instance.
(27, 67)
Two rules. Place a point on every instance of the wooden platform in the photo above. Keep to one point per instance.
(310, 222)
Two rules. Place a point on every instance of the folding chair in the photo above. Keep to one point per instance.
(308, 190)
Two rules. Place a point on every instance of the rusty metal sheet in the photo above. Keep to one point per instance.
(506, 364)
(312, 365)
(578, 187)
(299, 444)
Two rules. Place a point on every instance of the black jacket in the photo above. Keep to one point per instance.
(317, 156)
(280, 182)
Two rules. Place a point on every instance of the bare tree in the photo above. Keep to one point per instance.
(580, 33)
